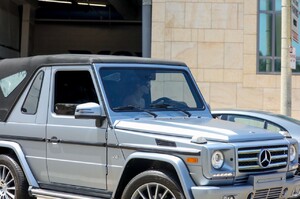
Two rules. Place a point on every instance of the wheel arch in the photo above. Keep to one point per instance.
(14, 149)
(142, 161)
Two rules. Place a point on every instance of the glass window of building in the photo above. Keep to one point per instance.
(269, 38)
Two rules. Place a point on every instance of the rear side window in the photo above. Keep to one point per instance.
(31, 102)
(8, 84)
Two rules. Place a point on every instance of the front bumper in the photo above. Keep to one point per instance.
(262, 186)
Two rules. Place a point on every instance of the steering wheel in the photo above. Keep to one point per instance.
(162, 100)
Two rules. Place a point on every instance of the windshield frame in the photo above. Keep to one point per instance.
(140, 113)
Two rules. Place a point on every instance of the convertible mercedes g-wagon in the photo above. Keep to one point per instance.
(92, 126)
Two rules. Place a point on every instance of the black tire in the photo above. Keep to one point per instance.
(13, 183)
(155, 184)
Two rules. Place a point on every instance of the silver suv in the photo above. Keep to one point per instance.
(90, 126)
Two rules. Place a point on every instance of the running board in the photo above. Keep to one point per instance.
(54, 194)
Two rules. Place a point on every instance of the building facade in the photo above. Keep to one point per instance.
(231, 47)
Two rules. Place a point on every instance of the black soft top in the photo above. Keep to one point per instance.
(32, 64)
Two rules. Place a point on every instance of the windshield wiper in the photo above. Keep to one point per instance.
(168, 106)
(130, 107)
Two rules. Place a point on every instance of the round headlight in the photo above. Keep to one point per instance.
(292, 153)
(217, 159)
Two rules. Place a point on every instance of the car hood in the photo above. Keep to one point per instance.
(210, 129)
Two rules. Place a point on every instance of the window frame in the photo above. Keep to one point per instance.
(275, 11)
(272, 57)
(69, 106)
(184, 73)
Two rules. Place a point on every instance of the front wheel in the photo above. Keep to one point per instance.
(13, 184)
(153, 185)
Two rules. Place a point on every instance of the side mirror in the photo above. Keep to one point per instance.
(285, 134)
(89, 110)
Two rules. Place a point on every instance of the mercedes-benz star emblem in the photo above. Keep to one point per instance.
(265, 158)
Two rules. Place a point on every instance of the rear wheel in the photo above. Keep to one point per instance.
(13, 184)
(153, 185)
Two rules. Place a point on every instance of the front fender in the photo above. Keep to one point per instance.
(21, 157)
(179, 166)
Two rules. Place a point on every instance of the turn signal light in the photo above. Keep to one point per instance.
(192, 160)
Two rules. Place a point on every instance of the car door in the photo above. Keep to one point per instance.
(76, 148)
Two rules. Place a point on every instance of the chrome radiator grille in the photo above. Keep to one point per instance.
(255, 159)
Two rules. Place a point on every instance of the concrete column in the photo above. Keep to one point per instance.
(25, 30)
(286, 71)
(147, 28)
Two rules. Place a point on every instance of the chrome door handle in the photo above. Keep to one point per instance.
(54, 140)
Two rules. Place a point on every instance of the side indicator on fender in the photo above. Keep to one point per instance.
(192, 160)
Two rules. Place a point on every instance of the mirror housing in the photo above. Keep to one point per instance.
(89, 110)
(285, 134)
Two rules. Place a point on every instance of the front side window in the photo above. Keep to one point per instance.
(72, 88)
(160, 89)
(269, 38)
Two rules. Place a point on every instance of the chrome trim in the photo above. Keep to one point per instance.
(265, 158)
(249, 159)
(252, 151)
(161, 149)
(279, 157)
(241, 168)
(249, 151)
(47, 193)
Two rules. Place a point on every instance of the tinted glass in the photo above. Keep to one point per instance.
(73, 88)
(265, 65)
(266, 5)
(247, 121)
(269, 36)
(278, 5)
(273, 127)
(278, 35)
(297, 46)
(31, 102)
(265, 34)
(149, 88)
(277, 65)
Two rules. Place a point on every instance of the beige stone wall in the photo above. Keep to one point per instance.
(218, 41)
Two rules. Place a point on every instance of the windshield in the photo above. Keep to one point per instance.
(136, 89)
